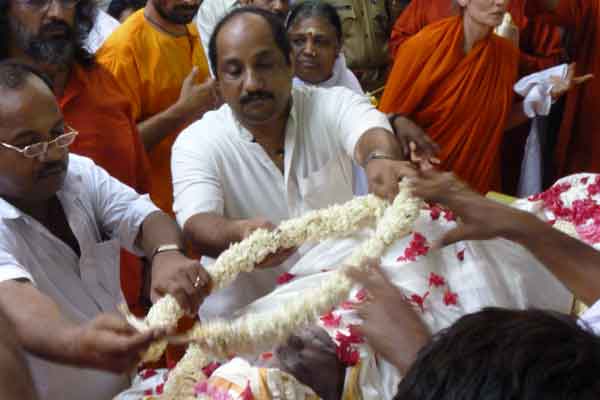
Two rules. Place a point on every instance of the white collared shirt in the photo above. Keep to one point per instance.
(218, 168)
(97, 207)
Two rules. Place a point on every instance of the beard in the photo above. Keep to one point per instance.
(44, 47)
(180, 15)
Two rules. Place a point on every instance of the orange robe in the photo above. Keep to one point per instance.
(462, 101)
(94, 105)
(151, 66)
(578, 146)
(541, 44)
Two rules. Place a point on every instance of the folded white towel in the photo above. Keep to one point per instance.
(536, 89)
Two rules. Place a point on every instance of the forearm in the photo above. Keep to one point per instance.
(380, 141)
(154, 129)
(159, 229)
(211, 233)
(573, 262)
(40, 326)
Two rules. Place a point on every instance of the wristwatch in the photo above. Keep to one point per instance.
(164, 248)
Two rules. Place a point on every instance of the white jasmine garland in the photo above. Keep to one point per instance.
(256, 330)
(334, 221)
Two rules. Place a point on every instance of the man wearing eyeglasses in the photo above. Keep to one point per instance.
(62, 222)
(53, 36)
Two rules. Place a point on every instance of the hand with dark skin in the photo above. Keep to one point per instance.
(390, 324)
(573, 262)
(407, 132)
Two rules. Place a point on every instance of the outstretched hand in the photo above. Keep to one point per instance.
(562, 86)
(480, 218)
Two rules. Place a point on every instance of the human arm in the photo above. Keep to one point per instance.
(409, 132)
(194, 100)
(107, 342)
(15, 380)
(390, 324)
(573, 262)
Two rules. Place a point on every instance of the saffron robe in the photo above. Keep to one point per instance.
(94, 105)
(461, 101)
(150, 66)
(578, 145)
(540, 43)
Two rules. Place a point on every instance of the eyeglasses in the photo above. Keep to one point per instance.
(43, 5)
(41, 148)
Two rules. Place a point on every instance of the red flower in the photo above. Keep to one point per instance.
(584, 180)
(435, 212)
(449, 215)
(461, 255)
(419, 301)
(160, 388)
(346, 354)
(330, 320)
(267, 355)
(416, 247)
(247, 393)
(450, 298)
(285, 278)
(210, 368)
(436, 280)
(148, 392)
(353, 337)
(593, 188)
(361, 295)
(589, 233)
(148, 373)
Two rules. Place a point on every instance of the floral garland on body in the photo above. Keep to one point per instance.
(220, 338)
(316, 225)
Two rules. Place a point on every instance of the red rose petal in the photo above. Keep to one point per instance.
(450, 298)
(330, 320)
(285, 278)
(436, 280)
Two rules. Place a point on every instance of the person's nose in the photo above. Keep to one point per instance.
(253, 81)
(309, 47)
(56, 10)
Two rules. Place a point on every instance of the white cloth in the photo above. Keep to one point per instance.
(343, 77)
(103, 27)
(536, 90)
(591, 318)
(218, 168)
(96, 206)
(209, 14)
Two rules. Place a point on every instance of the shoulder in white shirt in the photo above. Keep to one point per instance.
(218, 168)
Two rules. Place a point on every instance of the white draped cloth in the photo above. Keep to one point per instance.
(442, 285)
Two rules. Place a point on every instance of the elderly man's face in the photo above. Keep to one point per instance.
(30, 115)
(254, 77)
(179, 12)
(310, 356)
(43, 30)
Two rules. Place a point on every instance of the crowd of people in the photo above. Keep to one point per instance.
(137, 137)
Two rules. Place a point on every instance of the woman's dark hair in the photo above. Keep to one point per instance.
(499, 354)
(277, 28)
(315, 8)
(85, 16)
(116, 7)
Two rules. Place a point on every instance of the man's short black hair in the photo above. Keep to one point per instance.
(498, 354)
(277, 28)
(14, 74)
(85, 17)
(116, 7)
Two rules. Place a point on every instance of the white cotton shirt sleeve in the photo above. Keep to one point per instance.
(197, 186)
(120, 210)
(591, 318)
(12, 270)
(352, 115)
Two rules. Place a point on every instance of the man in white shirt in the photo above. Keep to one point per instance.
(272, 152)
(62, 222)
(211, 12)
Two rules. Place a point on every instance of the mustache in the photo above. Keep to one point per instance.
(261, 95)
(193, 8)
(51, 168)
(54, 26)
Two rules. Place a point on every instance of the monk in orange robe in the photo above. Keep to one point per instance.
(578, 146)
(540, 43)
(455, 79)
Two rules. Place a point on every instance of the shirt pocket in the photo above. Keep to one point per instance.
(328, 185)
